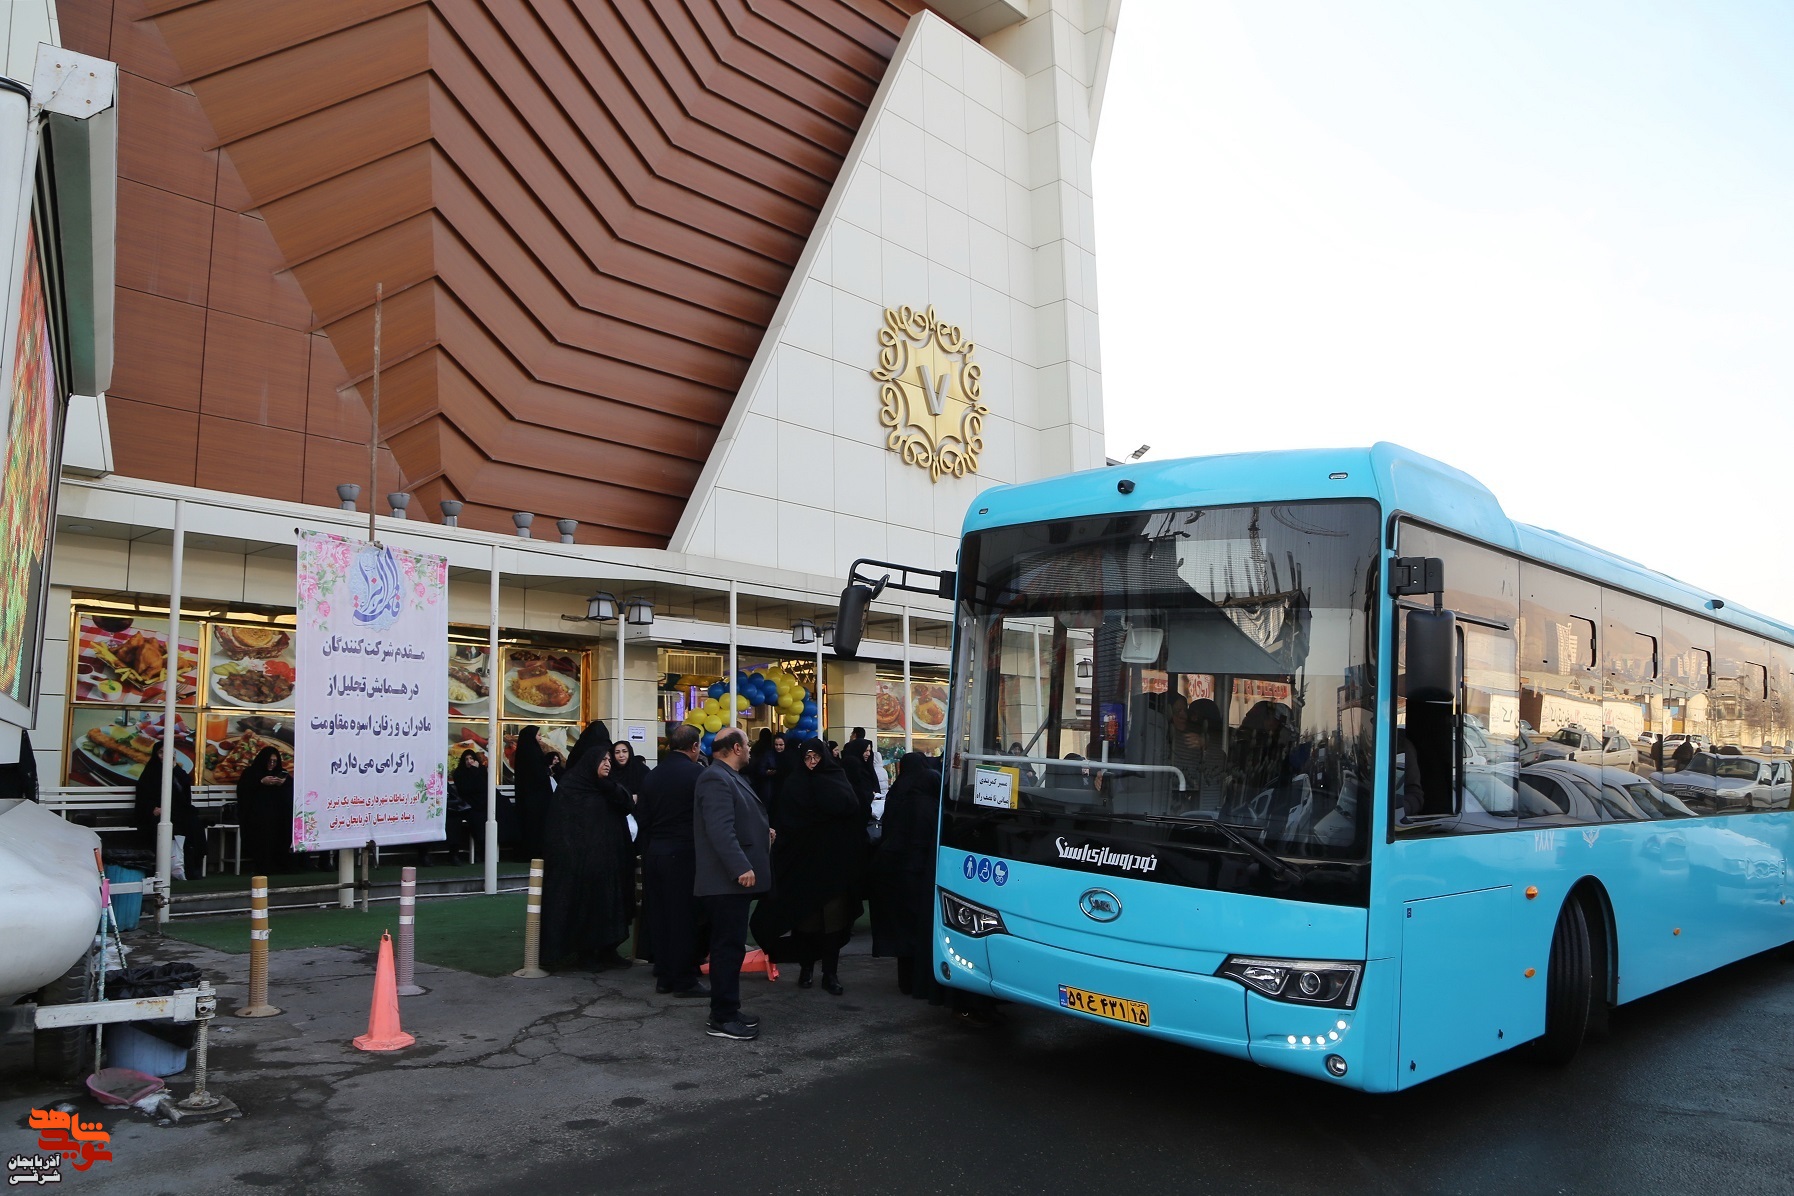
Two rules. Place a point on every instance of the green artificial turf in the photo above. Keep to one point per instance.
(480, 934)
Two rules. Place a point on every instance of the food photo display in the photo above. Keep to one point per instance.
(122, 660)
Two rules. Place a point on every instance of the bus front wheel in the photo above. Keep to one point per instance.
(1569, 987)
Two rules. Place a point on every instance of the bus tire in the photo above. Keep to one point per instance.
(1569, 987)
(62, 1054)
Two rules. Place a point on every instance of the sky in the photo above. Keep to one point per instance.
(1550, 243)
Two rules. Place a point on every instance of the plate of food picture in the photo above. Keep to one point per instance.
(468, 690)
(538, 689)
(251, 643)
(116, 752)
(228, 758)
(930, 707)
(253, 684)
(542, 683)
(121, 661)
(890, 710)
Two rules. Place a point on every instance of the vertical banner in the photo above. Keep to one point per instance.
(372, 703)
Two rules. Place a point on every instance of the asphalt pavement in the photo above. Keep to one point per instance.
(594, 1083)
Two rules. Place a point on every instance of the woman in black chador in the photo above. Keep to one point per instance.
(185, 818)
(587, 897)
(534, 791)
(596, 737)
(265, 810)
(628, 769)
(856, 761)
(903, 874)
(815, 867)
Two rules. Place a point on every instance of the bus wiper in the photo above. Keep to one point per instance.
(1277, 867)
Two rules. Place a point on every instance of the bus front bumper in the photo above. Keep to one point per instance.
(1212, 1013)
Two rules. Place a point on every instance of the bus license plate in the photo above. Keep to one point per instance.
(1118, 1009)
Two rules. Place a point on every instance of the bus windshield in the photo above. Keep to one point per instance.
(1150, 673)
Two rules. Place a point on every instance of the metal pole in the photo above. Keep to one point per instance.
(258, 951)
(171, 689)
(367, 875)
(1039, 700)
(374, 422)
(821, 710)
(495, 744)
(622, 732)
(909, 711)
(345, 877)
(729, 721)
(532, 927)
(407, 962)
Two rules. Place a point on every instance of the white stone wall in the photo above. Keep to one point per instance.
(23, 24)
(968, 189)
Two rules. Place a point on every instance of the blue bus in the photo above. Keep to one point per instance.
(1317, 759)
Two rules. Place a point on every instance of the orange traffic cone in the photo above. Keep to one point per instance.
(383, 1019)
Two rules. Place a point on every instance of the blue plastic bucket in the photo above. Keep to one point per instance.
(126, 907)
(138, 1050)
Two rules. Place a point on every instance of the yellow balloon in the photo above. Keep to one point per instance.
(713, 724)
(741, 702)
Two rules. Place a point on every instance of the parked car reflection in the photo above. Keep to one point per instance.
(1716, 784)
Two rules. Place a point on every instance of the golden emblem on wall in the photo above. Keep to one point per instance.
(928, 395)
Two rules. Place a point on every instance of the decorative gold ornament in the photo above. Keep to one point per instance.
(929, 393)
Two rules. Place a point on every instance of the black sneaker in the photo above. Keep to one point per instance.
(750, 1020)
(700, 989)
(737, 1030)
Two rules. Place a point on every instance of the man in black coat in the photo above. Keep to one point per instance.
(663, 816)
(734, 865)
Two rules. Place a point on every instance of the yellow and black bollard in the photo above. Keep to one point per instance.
(257, 1004)
(532, 927)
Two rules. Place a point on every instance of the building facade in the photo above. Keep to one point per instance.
(745, 289)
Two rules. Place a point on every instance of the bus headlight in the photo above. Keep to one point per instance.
(972, 920)
(1325, 982)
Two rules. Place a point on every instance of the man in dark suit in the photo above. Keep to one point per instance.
(734, 865)
(663, 816)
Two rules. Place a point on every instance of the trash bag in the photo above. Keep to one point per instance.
(157, 980)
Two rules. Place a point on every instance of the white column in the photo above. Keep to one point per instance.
(495, 740)
(170, 699)
(909, 707)
(621, 733)
(821, 706)
(733, 666)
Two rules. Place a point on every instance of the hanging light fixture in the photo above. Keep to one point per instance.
(638, 611)
(601, 607)
(1086, 669)
(803, 632)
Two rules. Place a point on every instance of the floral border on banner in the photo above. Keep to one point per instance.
(387, 616)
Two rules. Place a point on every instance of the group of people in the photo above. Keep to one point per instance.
(264, 813)
(783, 839)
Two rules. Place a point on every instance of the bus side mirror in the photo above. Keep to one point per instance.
(1432, 676)
(850, 619)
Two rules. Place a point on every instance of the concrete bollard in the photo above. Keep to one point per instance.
(408, 987)
(532, 927)
(257, 1004)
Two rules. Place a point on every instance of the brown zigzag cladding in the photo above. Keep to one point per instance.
(584, 213)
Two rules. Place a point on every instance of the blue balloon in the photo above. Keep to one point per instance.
(809, 706)
(717, 690)
(705, 742)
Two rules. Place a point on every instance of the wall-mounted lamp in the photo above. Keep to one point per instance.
(346, 494)
(451, 512)
(638, 612)
(398, 501)
(803, 632)
(566, 527)
(522, 519)
(600, 608)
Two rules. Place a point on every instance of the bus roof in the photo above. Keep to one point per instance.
(1400, 480)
